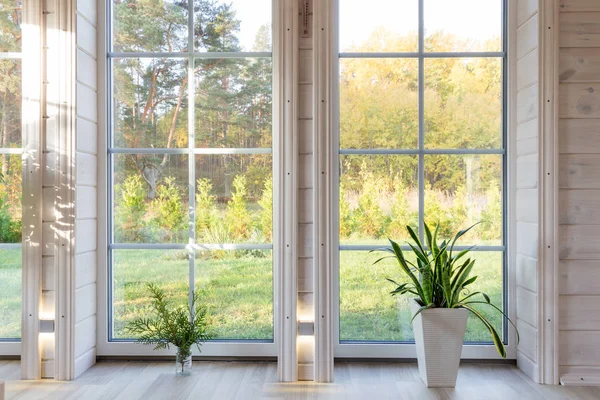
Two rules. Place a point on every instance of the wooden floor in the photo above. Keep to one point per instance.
(257, 380)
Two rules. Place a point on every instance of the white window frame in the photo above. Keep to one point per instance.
(393, 350)
(30, 151)
(217, 348)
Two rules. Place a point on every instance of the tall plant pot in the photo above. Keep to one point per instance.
(439, 335)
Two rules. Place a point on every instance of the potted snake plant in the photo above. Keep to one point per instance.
(439, 283)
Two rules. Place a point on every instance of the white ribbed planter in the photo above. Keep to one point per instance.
(439, 336)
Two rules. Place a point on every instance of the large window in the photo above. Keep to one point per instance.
(10, 170)
(190, 170)
(422, 139)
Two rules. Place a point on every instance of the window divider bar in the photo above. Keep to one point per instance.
(417, 151)
(356, 247)
(197, 246)
(421, 167)
(191, 159)
(13, 150)
(183, 150)
(11, 56)
(241, 54)
(460, 54)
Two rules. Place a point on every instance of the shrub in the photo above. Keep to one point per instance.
(266, 213)
(131, 209)
(369, 217)
(237, 217)
(346, 221)
(435, 211)
(401, 215)
(169, 210)
(10, 230)
(207, 216)
(491, 217)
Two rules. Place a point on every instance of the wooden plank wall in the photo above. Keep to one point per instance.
(306, 356)
(579, 188)
(86, 194)
(526, 176)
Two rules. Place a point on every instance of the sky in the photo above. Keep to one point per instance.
(481, 19)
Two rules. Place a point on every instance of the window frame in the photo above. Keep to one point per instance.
(385, 349)
(107, 346)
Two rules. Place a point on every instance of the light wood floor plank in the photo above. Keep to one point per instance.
(258, 380)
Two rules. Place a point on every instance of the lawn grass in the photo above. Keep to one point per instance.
(237, 288)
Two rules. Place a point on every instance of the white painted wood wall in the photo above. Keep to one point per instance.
(86, 194)
(527, 121)
(306, 266)
(579, 194)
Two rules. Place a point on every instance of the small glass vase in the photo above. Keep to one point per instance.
(183, 361)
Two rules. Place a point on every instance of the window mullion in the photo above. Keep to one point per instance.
(421, 118)
(191, 157)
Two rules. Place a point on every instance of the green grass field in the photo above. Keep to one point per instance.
(237, 290)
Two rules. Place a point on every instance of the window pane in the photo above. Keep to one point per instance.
(488, 269)
(238, 289)
(369, 313)
(378, 198)
(132, 270)
(10, 293)
(232, 25)
(234, 102)
(10, 21)
(379, 103)
(234, 199)
(150, 103)
(463, 25)
(379, 26)
(10, 199)
(10, 103)
(150, 198)
(463, 103)
(150, 26)
(462, 190)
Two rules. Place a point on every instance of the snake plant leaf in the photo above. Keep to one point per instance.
(383, 258)
(428, 237)
(460, 234)
(486, 297)
(495, 337)
(420, 310)
(500, 311)
(414, 237)
(405, 267)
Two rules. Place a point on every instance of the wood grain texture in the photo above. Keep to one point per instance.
(579, 136)
(579, 242)
(528, 70)
(257, 380)
(579, 65)
(579, 207)
(579, 348)
(527, 104)
(525, 10)
(527, 36)
(579, 277)
(579, 171)
(579, 100)
(579, 313)
(579, 5)
(580, 29)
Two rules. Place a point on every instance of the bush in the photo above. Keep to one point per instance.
(131, 209)
(346, 220)
(169, 211)
(10, 230)
(401, 215)
(266, 213)
(237, 217)
(207, 216)
(370, 219)
(491, 217)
